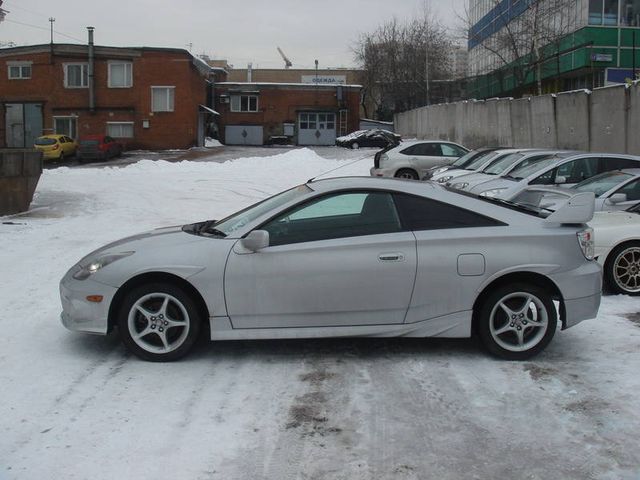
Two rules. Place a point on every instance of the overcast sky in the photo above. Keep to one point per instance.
(240, 31)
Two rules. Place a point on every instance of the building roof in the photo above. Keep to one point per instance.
(288, 85)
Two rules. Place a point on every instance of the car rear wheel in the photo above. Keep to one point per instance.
(61, 157)
(407, 173)
(355, 145)
(622, 269)
(517, 321)
(159, 322)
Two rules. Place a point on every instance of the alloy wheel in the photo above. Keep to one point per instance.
(518, 321)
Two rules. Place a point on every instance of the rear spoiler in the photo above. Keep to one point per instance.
(578, 209)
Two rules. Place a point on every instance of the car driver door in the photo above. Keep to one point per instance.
(338, 260)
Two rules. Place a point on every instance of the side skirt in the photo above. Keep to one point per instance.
(455, 325)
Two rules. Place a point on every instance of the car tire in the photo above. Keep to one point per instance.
(61, 157)
(623, 266)
(407, 173)
(355, 146)
(516, 321)
(168, 315)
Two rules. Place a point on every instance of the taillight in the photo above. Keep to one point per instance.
(56, 146)
(585, 239)
(383, 158)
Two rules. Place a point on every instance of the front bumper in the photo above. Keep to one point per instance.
(382, 172)
(79, 314)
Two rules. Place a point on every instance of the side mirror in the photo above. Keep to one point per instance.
(617, 198)
(560, 180)
(256, 240)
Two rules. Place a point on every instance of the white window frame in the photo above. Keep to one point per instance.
(128, 74)
(66, 117)
(109, 134)
(169, 108)
(66, 76)
(239, 97)
(21, 66)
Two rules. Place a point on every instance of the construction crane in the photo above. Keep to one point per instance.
(287, 62)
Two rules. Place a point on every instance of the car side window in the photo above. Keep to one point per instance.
(61, 140)
(67, 139)
(449, 150)
(631, 190)
(345, 214)
(609, 163)
(423, 149)
(578, 170)
(418, 213)
(108, 139)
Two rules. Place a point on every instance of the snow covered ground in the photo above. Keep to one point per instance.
(79, 407)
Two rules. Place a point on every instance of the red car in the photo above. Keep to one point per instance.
(98, 147)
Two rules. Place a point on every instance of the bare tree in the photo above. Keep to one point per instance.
(527, 41)
(398, 59)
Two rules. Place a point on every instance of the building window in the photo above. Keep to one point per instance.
(66, 126)
(604, 12)
(19, 71)
(162, 99)
(244, 103)
(630, 13)
(120, 75)
(76, 75)
(120, 129)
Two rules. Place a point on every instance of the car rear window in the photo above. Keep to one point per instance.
(45, 141)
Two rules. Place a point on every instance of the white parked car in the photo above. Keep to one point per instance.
(413, 159)
(564, 169)
(614, 190)
(448, 176)
(617, 248)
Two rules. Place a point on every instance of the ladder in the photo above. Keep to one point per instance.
(342, 122)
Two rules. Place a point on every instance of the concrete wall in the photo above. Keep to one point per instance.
(604, 120)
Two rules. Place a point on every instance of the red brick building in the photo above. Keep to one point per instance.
(151, 98)
(296, 113)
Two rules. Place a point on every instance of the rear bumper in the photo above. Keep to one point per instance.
(581, 289)
(382, 172)
(580, 309)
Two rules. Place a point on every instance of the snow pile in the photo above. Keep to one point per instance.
(212, 142)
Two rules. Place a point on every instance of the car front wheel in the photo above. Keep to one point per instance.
(355, 145)
(622, 270)
(517, 321)
(159, 322)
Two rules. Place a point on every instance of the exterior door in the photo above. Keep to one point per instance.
(315, 128)
(23, 122)
(342, 260)
(243, 135)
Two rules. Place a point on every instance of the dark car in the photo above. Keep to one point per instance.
(98, 147)
(369, 138)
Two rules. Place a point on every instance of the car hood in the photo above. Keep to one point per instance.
(500, 182)
(475, 178)
(160, 237)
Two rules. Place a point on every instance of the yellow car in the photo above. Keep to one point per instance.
(56, 147)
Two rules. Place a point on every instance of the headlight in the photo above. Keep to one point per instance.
(492, 193)
(445, 179)
(94, 264)
(440, 170)
(460, 186)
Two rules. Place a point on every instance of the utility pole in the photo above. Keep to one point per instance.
(426, 73)
(51, 21)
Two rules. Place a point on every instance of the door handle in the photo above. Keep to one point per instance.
(391, 257)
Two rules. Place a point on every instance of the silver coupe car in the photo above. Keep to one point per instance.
(346, 257)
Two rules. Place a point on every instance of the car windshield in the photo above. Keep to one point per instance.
(520, 207)
(478, 162)
(233, 222)
(45, 141)
(602, 183)
(533, 166)
(498, 166)
(468, 158)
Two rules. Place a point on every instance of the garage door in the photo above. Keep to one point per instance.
(316, 128)
(243, 135)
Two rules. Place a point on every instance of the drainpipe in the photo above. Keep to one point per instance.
(250, 73)
(92, 93)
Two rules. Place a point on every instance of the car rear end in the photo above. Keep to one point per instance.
(380, 159)
(49, 146)
(91, 148)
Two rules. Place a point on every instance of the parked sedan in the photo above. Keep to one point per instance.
(614, 190)
(411, 160)
(56, 147)
(564, 169)
(98, 147)
(462, 162)
(345, 257)
(377, 138)
(617, 248)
